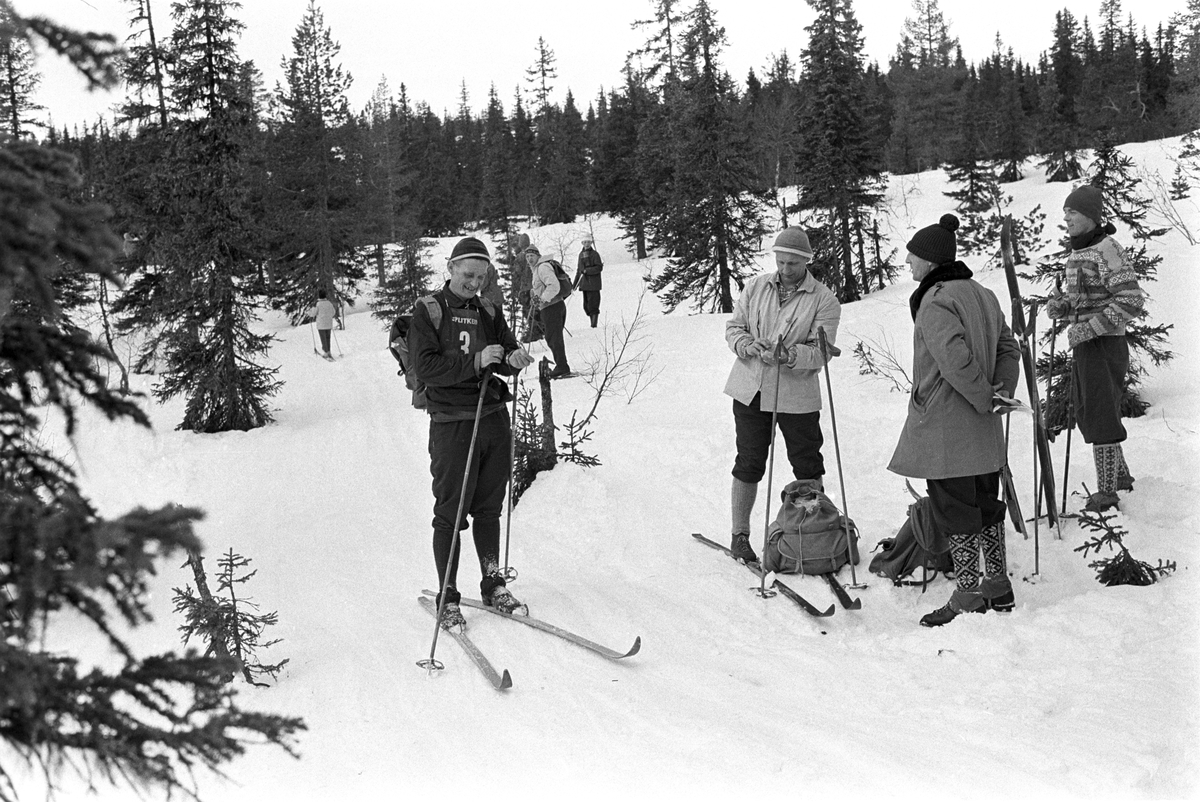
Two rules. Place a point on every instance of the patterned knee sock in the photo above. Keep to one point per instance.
(995, 560)
(964, 553)
(1106, 457)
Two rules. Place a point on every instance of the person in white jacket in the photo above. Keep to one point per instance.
(325, 313)
(789, 304)
(549, 298)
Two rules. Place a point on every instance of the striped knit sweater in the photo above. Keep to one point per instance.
(1102, 290)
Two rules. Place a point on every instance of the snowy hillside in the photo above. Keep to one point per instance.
(1083, 691)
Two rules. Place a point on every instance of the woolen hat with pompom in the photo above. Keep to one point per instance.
(469, 248)
(936, 243)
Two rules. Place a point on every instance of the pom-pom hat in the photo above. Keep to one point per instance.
(469, 248)
(936, 243)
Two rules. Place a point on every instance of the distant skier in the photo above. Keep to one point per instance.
(1101, 295)
(548, 298)
(587, 279)
(454, 359)
(523, 285)
(325, 313)
(963, 356)
(790, 303)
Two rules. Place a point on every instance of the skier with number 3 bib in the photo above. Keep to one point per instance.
(468, 410)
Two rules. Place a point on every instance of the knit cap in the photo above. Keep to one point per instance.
(533, 249)
(1088, 201)
(469, 248)
(936, 243)
(793, 240)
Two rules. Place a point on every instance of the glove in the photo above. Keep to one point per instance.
(778, 355)
(1058, 308)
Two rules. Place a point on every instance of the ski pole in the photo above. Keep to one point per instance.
(430, 663)
(837, 450)
(313, 334)
(780, 351)
(333, 333)
(509, 573)
(1070, 428)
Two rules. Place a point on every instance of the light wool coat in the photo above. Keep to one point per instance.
(963, 352)
(759, 315)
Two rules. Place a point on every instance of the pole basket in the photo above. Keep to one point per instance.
(431, 665)
(509, 573)
(764, 593)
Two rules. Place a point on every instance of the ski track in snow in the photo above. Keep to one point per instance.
(1083, 691)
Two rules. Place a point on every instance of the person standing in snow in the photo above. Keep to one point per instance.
(587, 279)
(964, 355)
(325, 313)
(551, 305)
(523, 278)
(1101, 296)
(491, 288)
(456, 360)
(789, 303)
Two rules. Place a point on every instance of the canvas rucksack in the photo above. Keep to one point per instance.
(917, 546)
(399, 347)
(810, 535)
(564, 283)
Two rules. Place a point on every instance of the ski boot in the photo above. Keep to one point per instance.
(742, 551)
(503, 600)
(961, 601)
(997, 592)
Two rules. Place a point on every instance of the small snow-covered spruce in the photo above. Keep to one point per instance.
(225, 621)
(577, 435)
(1181, 188)
(1121, 568)
(533, 452)
(882, 364)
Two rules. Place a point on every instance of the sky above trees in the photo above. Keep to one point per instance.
(434, 47)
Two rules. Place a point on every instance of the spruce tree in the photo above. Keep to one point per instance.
(145, 68)
(315, 199)
(657, 57)
(149, 721)
(19, 80)
(208, 237)
(838, 168)
(1059, 120)
(711, 226)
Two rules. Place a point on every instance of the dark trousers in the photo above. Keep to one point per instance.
(801, 435)
(324, 333)
(591, 302)
(965, 505)
(487, 481)
(1098, 376)
(554, 320)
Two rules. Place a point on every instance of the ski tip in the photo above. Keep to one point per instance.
(637, 647)
(828, 612)
(855, 605)
(505, 681)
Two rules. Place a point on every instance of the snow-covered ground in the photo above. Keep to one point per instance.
(1083, 691)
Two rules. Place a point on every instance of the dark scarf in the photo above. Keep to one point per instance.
(1090, 238)
(950, 271)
